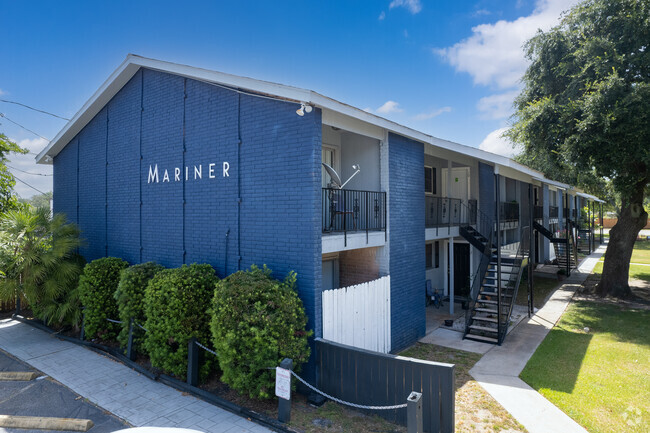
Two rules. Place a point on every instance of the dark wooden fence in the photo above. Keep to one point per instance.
(376, 379)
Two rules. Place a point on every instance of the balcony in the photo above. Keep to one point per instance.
(443, 212)
(356, 213)
(509, 212)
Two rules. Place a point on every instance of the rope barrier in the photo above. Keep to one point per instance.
(141, 327)
(347, 403)
(114, 321)
(206, 349)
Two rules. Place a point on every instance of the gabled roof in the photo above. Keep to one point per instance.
(133, 63)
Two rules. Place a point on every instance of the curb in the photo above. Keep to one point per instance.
(206, 396)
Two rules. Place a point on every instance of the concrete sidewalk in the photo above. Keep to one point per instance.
(498, 370)
(115, 387)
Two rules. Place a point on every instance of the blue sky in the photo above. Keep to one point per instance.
(448, 68)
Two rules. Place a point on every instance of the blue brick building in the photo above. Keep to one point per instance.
(177, 165)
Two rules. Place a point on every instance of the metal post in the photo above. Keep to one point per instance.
(284, 406)
(531, 252)
(601, 223)
(452, 285)
(414, 413)
(567, 248)
(130, 350)
(498, 206)
(83, 325)
(192, 362)
(18, 309)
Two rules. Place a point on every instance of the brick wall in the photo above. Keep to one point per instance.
(358, 266)
(406, 220)
(266, 211)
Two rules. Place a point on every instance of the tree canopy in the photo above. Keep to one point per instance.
(7, 181)
(583, 115)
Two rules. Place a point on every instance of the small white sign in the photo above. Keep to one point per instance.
(283, 383)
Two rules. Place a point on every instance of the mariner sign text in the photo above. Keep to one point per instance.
(195, 172)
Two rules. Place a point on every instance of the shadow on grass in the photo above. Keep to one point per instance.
(558, 364)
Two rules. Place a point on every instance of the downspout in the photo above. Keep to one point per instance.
(239, 199)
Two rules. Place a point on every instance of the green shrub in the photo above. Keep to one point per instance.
(256, 322)
(176, 306)
(130, 299)
(97, 285)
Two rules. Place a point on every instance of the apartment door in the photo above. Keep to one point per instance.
(459, 187)
(461, 269)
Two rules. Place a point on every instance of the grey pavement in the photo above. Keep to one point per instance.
(115, 387)
(498, 370)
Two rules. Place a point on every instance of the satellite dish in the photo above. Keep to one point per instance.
(336, 179)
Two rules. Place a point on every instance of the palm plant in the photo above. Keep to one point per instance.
(38, 263)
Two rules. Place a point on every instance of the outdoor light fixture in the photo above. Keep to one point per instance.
(304, 108)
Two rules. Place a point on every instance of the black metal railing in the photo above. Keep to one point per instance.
(509, 211)
(347, 210)
(485, 226)
(444, 211)
(553, 212)
(510, 285)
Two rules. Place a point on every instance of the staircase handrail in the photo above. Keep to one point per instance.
(515, 280)
(477, 280)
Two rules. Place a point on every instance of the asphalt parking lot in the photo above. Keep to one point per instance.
(44, 397)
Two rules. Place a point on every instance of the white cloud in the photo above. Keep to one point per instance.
(413, 6)
(494, 54)
(496, 143)
(389, 107)
(382, 16)
(432, 114)
(498, 106)
(2, 92)
(481, 12)
(26, 163)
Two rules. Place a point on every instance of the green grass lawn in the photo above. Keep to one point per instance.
(599, 377)
(640, 254)
(541, 289)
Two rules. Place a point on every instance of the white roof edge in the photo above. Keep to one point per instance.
(133, 63)
(555, 183)
(590, 197)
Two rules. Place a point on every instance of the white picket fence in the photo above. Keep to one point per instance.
(359, 315)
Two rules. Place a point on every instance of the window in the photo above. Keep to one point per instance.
(429, 180)
(432, 255)
(328, 157)
(437, 251)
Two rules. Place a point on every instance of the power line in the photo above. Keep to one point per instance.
(26, 129)
(27, 172)
(22, 181)
(32, 108)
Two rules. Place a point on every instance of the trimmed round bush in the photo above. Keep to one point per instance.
(130, 299)
(97, 285)
(256, 322)
(176, 305)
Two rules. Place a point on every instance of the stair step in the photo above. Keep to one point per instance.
(484, 328)
(485, 319)
(503, 295)
(481, 338)
(485, 310)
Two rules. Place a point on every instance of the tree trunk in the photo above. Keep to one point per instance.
(616, 269)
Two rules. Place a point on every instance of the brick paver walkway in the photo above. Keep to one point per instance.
(115, 387)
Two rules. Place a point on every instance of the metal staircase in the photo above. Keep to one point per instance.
(490, 306)
(566, 251)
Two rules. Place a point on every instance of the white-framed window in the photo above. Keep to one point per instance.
(328, 155)
(429, 180)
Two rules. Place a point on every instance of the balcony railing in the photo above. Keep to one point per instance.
(509, 211)
(448, 212)
(348, 210)
(571, 215)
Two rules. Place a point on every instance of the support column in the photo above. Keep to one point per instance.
(451, 276)
(497, 182)
(531, 252)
